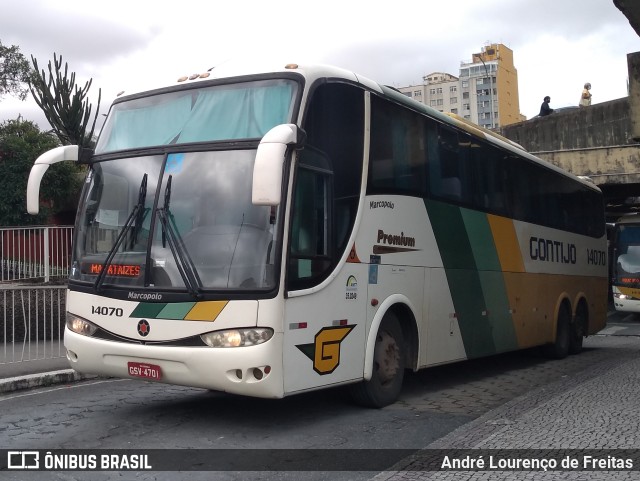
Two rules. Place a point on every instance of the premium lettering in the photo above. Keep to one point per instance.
(395, 240)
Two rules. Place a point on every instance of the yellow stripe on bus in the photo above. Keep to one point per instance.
(630, 291)
(206, 311)
(506, 241)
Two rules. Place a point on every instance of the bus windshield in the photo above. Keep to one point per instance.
(246, 110)
(627, 266)
(182, 220)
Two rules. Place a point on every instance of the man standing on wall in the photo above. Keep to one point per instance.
(544, 108)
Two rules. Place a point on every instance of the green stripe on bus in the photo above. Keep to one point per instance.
(491, 279)
(475, 278)
(462, 276)
(175, 310)
(481, 237)
(147, 309)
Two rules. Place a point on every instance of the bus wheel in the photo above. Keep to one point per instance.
(388, 367)
(560, 347)
(578, 329)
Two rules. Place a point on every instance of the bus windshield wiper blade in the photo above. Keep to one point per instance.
(135, 213)
(184, 263)
(141, 214)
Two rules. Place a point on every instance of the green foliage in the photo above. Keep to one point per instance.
(14, 72)
(64, 104)
(21, 142)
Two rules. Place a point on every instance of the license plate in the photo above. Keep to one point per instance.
(144, 370)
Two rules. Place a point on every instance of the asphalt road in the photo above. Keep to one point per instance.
(117, 414)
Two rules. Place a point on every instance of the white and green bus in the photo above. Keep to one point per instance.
(625, 279)
(267, 233)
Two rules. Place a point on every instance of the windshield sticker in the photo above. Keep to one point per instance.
(373, 273)
(174, 163)
(351, 289)
(353, 255)
(107, 217)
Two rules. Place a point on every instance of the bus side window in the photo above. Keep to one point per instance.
(310, 248)
(446, 168)
(398, 151)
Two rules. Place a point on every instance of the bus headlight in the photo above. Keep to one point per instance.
(237, 337)
(80, 325)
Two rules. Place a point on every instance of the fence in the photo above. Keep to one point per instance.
(35, 253)
(33, 320)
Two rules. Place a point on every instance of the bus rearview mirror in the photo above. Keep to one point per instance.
(267, 170)
(40, 166)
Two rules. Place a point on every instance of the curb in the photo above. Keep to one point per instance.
(41, 380)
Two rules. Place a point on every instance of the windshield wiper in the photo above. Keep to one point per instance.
(141, 214)
(136, 213)
(184, 263)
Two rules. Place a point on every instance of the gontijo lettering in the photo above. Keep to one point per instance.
(548, 250)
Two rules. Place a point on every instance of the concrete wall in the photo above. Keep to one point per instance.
(633, 64)
(604, 124)
(599, 141)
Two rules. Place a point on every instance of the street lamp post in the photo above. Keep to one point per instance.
(486, 70)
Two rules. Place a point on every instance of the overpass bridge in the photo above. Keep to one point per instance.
(601, 141)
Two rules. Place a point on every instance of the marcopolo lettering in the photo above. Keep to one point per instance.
(547, 250)
(145, 296)
(395, 240)
(381, 204)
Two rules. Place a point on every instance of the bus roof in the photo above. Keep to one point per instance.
(312, 72)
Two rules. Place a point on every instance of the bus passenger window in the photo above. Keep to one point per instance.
(311, 218)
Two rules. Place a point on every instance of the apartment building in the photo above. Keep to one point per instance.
(485, 91)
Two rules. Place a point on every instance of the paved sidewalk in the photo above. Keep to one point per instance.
(597, 409)
(36, 373)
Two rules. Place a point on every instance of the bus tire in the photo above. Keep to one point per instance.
(559, 349)
(578, 329)
(388, 367)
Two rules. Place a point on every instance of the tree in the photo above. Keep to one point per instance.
(14, 72)
(65, 106)
(21, 142)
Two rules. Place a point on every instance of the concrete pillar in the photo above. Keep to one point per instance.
(633, 64)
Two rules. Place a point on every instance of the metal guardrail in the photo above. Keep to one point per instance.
(39, 252)
(32, 323)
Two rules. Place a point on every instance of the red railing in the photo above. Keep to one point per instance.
(35, 252)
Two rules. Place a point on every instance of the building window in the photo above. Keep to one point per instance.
(466, 106)
(417, 93)
(465, 84)
(433, 103)
(454, 111)
(465, 95)
(453, 88)
(432, 91)
(453, 100)
(440, 102)
(439, 90)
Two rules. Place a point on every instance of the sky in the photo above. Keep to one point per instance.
(121, 45)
